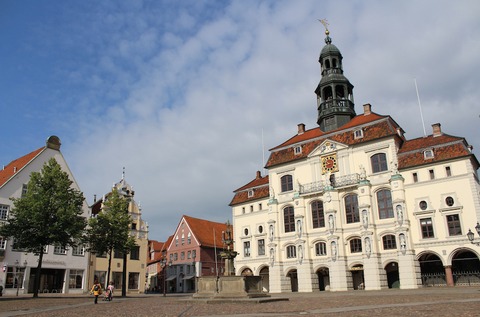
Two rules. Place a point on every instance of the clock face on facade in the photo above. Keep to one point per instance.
(329, 164)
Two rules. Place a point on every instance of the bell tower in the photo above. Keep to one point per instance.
(334, 92)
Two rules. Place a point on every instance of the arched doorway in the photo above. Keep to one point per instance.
(465, 268)
(323, 279)
(357, 277)
(265, 275)
(393, 278)
(432, 271)
(292, 274)
(247, 272)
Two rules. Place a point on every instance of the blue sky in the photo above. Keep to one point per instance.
(180, 92)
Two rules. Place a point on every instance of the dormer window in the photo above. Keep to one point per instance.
(358, 134)
(428, 154)
(250, 193)
(298, 150)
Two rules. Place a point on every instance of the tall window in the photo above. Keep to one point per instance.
(287, 183)
(133, 280)
(189, 238)
(355, 245)
(448, 171)
(58, 249)
(3, 243)
(351, 208)
(320, 248)
(75, 279)
(427, 228)
(4, 212)
(289, 219)
(432, 174)
(291, 252)
(415, 177)
(389, 242)
(453, 222)
(246, 248)
(24, 189)
(318, 217)
(379, 162)
(384, 202)
(117, 254)
(78, 250)
(261, 247)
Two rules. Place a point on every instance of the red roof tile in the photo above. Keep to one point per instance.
(444, 147)
(204, 230)
(374, 127)
(16, 165)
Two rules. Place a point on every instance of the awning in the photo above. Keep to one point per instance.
(189, 277)
(171, 278)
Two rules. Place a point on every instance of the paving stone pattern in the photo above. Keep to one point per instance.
(459, 301)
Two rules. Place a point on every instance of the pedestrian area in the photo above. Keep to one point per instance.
(390, 302)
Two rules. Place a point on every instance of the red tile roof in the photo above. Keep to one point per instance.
(374, 127)
(444, 147)
(157, 249)
(204, 230)
(16, 165)
(260, 187)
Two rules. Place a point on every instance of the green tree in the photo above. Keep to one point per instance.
(109, 231)
(50, 213)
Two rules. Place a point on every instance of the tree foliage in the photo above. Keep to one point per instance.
(109, 231)
(50, 213)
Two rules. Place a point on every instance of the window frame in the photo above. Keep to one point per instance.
(355, 245)
(378, 162)
(289, 219)
(389, 242)
(286, 182)
(320, 248)
(426, 228)
(454, 226)
(261, 247)
(352, 210)
(385, 204)
(318, 214)
(246, 249)
(4, 211)
(291, 251)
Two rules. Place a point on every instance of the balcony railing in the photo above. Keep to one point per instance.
(336, 182)
(312, 187)
(346, 180)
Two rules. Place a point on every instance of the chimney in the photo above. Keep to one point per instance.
(367, 109)
(301, 128)
(259, 175)
(437, 130)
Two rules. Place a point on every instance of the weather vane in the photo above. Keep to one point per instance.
(325, 23)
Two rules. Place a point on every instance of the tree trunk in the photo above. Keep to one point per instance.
(124, 275)
(108, 269)
(36, 284)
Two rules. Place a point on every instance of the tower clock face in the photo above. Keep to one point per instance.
(329, 163)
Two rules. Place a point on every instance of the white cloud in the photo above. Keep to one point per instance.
(179, 94)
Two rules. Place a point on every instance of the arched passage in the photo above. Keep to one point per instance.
(357, 277)
(465, 268)
(265, 275)
(323, 279)
(432, 271)
(393, 277)
(292, 274)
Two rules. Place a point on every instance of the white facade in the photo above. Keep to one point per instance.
(358, 206)
(62, 271)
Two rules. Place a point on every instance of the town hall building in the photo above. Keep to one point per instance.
(353, 204)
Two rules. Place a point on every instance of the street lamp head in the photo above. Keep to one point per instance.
(470, 235)
(477, 227)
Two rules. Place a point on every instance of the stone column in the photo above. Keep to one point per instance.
(449, 275)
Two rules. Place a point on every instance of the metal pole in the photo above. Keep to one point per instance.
(164, 278)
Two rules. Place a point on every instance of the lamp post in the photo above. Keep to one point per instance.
(194, 255)
(18, 274)
(471, 235)
(163, 263)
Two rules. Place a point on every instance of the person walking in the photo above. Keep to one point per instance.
(96, 290)
(110, 288)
